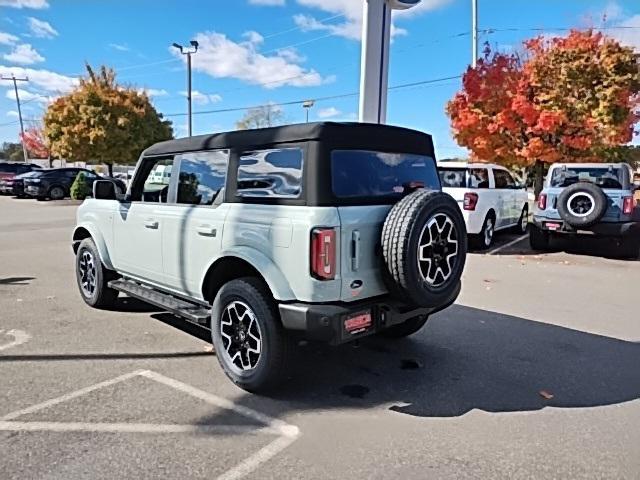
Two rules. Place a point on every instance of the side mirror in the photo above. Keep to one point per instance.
(104, 190)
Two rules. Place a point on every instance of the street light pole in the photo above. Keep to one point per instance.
(188, 51)
(307, 104)
(15, 88)
(474, 33)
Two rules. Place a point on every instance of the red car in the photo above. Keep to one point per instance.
(8, 170)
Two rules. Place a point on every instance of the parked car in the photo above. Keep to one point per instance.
(489, 197)
(325, 231)
(9, 170)
(56, 183)
(15, 186)
(594, 199)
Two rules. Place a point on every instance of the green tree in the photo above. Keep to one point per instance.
(12, 151)
(102, 121)
(261, 117)
(79, 188)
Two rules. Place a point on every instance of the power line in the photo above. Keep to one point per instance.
(316, 99)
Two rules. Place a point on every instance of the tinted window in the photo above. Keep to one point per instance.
(361, 173)
(202, 176)
(270, 173)
(503, 179)
(453, 177)
(604, 177)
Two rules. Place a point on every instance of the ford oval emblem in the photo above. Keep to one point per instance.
(356, 284)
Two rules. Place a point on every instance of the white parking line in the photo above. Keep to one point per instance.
(286, 433)
(506, 245)
(19, 337)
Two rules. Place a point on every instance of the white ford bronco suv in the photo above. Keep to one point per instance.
(320, 231)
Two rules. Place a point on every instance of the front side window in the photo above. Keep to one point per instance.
(604, 177)
(151, 183)
(366, 174)
(202, 175)
(271, 173)
(503, 179)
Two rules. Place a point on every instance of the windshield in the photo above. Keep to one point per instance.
(604, 177)
(363, 173)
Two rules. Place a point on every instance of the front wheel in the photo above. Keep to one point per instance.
(251, 345)
(93, 277)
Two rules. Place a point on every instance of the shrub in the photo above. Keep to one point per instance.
(79, 189)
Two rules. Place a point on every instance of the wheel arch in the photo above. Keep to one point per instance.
(245, 262)
(88, 230)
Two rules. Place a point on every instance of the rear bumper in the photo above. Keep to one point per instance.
(618, 229)
(326, 322)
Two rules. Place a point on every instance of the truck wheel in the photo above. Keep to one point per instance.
(523, 222)
(252, 347)
(484, 239)
(539, 239)
(582, 204)
(424, 246)
(405, 329)
(93, 277)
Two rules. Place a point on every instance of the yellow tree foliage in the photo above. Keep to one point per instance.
(101, 121)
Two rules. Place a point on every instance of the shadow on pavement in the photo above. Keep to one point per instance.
(98, 356)
(133, 305)
(593, 247)
(464, 359)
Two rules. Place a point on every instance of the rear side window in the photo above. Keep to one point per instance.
(202, 175)
(367, 174)
(271, 173)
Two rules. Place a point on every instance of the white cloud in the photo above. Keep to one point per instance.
(35, 4)
(7, 38)
(41, 29)
(269, 3)
(120, 47)
(153, 92)
(351, 26)
(202, 98)
(329, 112)
(221, 57)
(290, 54)
(253, 37)
(43, 79)
(12, 113)
(629, 34)
(24, 54)
(27, 96)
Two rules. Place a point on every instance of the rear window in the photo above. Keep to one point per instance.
(604, 177)
(363, 173)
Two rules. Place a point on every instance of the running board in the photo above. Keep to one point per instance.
(189, 311)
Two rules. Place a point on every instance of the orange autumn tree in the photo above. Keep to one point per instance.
(571, 99)
(35, 142)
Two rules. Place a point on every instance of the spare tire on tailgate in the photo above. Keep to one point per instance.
(424, 245)
(582, 204)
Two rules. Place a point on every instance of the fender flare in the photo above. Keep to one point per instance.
(98, 239)
(272, 275)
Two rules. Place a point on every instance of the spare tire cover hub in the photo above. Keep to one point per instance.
(581, 204)
(437, 249)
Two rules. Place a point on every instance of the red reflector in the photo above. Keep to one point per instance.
(627, 205)
(323, 253)
(542, 201)
(470, 201)
(358, 323)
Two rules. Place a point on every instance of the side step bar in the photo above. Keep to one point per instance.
(190, 311)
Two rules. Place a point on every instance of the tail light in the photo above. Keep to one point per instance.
(323, 253)
(627, 205)
(542, 201)
(470, 201)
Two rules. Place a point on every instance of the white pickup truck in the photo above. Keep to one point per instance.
(489, 197)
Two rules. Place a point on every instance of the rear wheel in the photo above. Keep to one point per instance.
(539, 239)
(485, 238)
(523, 222)
(251, 345)
(405, 329)
(93, 277)
(56, 193)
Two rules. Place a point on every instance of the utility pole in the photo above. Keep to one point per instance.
(188, 52)
(474, 33)
(15, 88)
(307, 104)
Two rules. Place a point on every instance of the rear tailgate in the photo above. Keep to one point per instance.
(361, 252)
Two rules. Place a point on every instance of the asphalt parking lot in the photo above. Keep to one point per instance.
(534, 373)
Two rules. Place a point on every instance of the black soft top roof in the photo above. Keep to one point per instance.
(344, 135)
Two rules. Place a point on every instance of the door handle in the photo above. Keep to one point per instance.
(206, 230)
(150, 223)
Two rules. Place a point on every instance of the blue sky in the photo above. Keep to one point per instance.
(259, 51)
